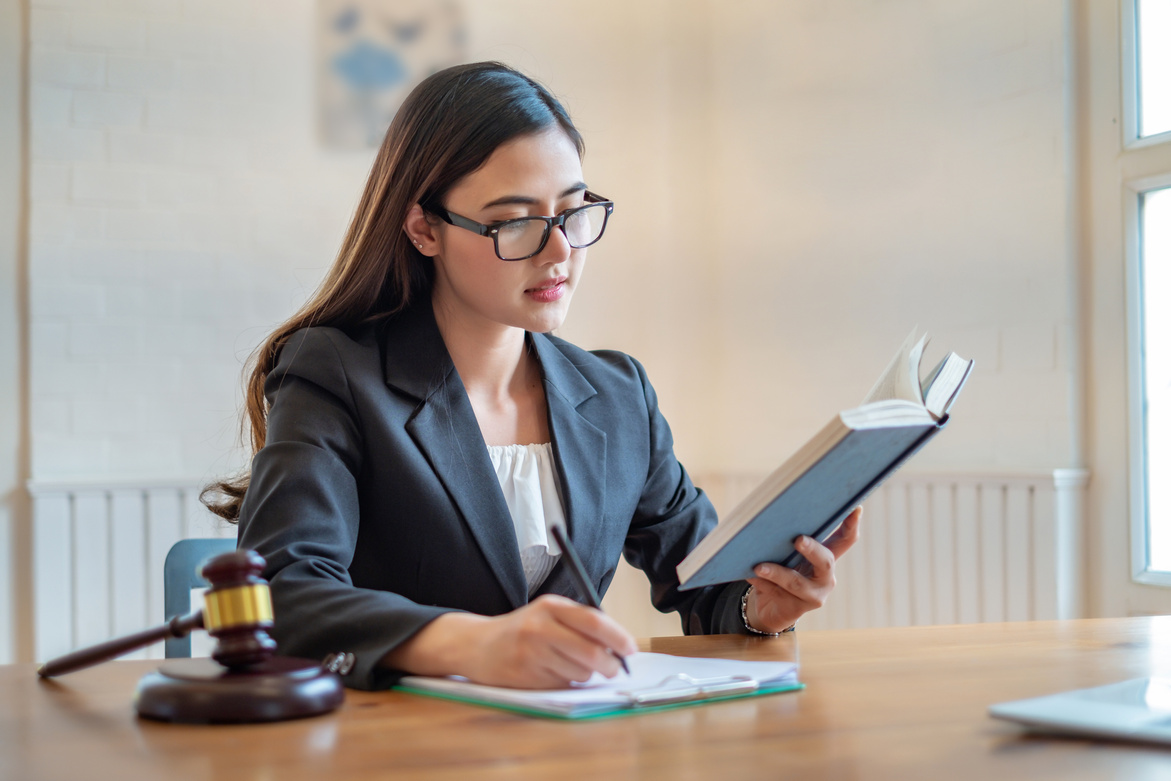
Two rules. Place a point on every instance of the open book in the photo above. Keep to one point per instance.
(655, 681)
(813, 491)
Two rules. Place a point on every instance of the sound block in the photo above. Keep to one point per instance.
(200, 691)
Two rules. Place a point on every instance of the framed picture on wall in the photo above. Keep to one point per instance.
(370, 54)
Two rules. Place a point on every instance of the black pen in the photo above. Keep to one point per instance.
(583, 582)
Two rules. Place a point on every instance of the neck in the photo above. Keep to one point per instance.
(491, 358)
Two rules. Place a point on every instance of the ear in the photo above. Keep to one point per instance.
(421, 231)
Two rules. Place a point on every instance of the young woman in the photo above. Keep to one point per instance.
(418, 434)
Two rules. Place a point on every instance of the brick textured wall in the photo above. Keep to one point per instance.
(180, 208)
(798, 186)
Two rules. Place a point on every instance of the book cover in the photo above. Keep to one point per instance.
(814, 490)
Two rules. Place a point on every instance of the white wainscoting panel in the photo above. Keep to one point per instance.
(98, 553)
(935, 549)
(9, 609)
(956, 549)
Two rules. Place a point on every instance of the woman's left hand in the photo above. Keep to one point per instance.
(781, 595)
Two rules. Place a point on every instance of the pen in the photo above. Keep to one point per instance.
(583, 582)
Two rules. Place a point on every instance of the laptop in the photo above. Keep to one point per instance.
(1138, 709)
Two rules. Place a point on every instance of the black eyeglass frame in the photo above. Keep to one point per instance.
(493, 228)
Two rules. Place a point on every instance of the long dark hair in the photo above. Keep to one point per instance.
(446, 128)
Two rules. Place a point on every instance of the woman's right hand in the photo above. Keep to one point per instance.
(546, 644)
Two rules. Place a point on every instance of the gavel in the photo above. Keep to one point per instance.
(238, 614)
(246, 682)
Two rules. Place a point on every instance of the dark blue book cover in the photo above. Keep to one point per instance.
(815, 503)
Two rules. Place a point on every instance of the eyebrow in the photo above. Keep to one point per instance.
(525, 200)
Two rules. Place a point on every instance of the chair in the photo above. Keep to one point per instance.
(180, 576)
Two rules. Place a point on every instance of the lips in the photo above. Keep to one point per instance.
(550, 290)
(548, 284)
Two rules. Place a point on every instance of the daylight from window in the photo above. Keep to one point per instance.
(1154, 49)
(1156, 262)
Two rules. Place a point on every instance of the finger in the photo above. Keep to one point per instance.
(548, 675)
(820, 558)
(802, 584)
(797, 590)
(555, 652)
(776, 581)
(846, 535)
(803, 567)
(576, 656)
(546, 667)
(583, 635)
(595, 625)
(565, 670)
(598, 660)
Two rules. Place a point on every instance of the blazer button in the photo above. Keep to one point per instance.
(340, 663)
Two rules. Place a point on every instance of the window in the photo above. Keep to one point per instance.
(1146, 47)
(1155, 280)
(1153, 33)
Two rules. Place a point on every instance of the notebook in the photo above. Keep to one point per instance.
(656, 681)
(1138, 709)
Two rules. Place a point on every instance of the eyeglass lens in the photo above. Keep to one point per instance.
(523, 237)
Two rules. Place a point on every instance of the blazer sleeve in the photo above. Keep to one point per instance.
(672, 517)
(301, 513)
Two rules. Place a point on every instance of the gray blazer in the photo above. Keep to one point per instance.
(376, 506)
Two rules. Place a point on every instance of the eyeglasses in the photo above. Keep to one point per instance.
(526, 236)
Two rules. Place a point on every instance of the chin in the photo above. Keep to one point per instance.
(546, 322)
(547, 317)
(545, 325)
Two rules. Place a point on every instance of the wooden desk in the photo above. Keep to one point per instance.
(880, 703)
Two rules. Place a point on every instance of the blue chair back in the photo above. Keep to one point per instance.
(180, 577)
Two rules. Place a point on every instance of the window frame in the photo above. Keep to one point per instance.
(1131, 83)
(1135, 190)
(1135, 159)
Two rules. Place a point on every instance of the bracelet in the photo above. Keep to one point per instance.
(750, 627)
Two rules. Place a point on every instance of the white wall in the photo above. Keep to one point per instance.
(798, 184)
(14, 522)
(180, 208)
(887, 165)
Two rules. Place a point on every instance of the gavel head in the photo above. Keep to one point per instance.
(237, 609)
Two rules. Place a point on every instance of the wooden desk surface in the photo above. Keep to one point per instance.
(880, 703)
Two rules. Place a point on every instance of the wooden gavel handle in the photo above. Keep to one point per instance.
(179, 626)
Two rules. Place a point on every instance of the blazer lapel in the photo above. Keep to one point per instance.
(444, 428)
(579, 448)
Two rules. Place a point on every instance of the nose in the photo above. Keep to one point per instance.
(556, 249)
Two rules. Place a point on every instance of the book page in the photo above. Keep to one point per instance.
(901, 378)
(944, 383)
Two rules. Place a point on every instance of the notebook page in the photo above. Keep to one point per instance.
(649, 672)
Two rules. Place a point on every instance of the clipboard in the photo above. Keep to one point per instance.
(657, 682)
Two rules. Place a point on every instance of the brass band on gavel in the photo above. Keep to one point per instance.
(237, 613)
(249, 604)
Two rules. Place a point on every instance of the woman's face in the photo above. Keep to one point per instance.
(533, 175)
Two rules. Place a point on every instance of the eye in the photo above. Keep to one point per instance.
(514, 228)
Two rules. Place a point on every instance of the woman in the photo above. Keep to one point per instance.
(423, 434)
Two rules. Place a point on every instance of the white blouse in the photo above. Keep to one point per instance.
(529, 483)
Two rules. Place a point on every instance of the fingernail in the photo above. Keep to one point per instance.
(764, 570)
(802, 542)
